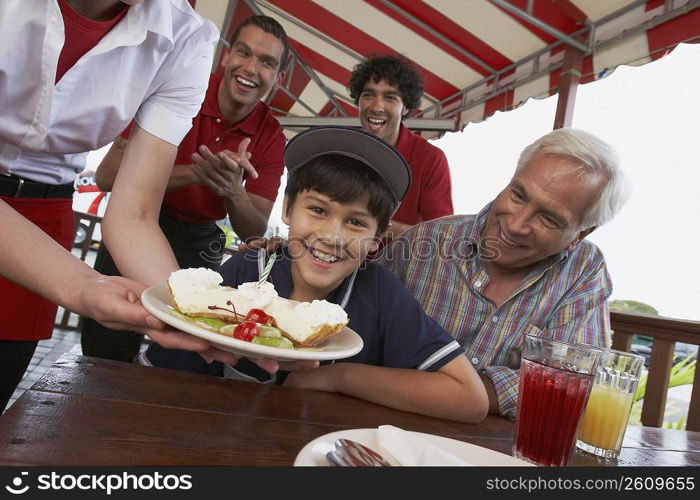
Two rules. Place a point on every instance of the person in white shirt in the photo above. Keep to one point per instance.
(63, 92)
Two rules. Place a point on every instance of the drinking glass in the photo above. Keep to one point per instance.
(608, 410)
(555, 382)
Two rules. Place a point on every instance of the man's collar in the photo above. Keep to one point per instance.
(474, 231)
(552, 260)
(404, 137)
(210, 106)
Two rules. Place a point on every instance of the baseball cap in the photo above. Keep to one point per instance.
(353, 143)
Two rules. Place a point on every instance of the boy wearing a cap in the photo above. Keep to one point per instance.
(343, 187)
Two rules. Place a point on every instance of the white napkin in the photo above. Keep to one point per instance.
(409, 449)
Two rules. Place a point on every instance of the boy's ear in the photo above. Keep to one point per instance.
(285, 206)
(374, 246)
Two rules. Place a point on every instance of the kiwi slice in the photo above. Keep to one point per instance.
(211, 322)
(227, 329)
(269, 331)
(281, 342)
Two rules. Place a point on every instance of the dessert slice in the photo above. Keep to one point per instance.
(193, 291)
(308, 323)
(198, 293)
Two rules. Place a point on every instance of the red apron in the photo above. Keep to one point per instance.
(25, 315)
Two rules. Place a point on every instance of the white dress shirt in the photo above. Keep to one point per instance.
(154, 65)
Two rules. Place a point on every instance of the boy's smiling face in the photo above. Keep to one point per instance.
(327, 241)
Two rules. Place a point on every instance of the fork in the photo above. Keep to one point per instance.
(351, 453)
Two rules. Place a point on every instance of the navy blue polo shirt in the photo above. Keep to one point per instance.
(395, 330)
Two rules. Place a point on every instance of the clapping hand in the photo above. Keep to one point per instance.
(224, 172)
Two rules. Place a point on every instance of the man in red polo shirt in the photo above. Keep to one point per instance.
(230, 163)
(386, 89)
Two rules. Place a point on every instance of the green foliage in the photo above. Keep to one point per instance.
(230, 235)
(682, 373)
(680, 425)
(632, 306)
(636, 414)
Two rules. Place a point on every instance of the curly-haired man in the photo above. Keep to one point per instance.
(386, 89)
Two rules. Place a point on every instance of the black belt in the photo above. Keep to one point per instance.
(17, 187)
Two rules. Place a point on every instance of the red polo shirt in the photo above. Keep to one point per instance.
(197, 203)
(430, 193)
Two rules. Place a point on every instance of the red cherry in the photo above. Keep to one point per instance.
(246, 330)
(257, 316)
(260, 316)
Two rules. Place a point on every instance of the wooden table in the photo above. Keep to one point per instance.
(87, 411)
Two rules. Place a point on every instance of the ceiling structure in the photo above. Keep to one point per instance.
(477, 56)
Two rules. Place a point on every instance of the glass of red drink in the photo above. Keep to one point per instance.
(555, 382)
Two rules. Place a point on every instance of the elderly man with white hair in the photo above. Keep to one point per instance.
(521, 265)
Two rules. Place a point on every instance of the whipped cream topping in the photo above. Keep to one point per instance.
(321, 312)
(299, 319)
(195, 289)
(200, 277)
(257, 296)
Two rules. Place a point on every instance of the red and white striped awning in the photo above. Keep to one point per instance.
(477, 56)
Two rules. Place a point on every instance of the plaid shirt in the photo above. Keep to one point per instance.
(564, 297)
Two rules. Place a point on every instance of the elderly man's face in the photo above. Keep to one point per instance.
(540, 212)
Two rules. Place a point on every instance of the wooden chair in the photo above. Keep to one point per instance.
(665, 332)
(92, 221)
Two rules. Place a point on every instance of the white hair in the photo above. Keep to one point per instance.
(592, 155)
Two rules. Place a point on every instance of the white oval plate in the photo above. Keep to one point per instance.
(344, 344)
(314, 453)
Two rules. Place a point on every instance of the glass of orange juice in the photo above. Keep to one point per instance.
(609, 405)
